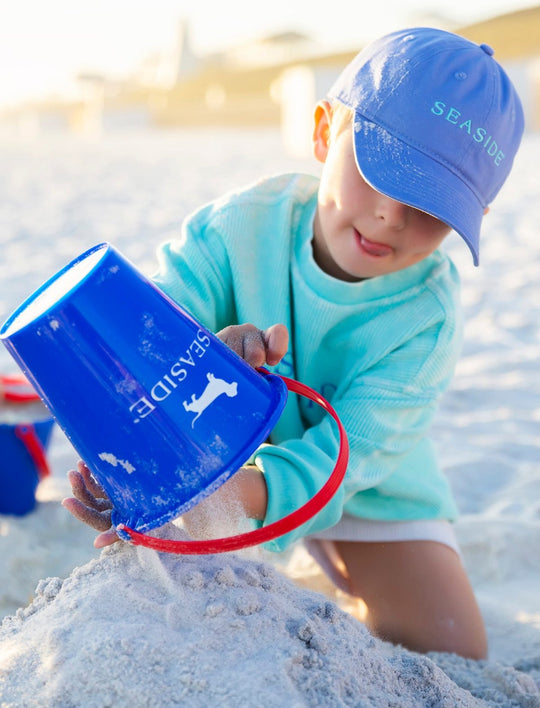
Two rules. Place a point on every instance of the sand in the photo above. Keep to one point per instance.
(140, 628)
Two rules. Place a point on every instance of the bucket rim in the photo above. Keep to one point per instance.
(7, 325)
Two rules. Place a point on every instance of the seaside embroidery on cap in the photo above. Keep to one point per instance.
(453, 115)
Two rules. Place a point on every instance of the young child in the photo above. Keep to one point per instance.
(340, 283)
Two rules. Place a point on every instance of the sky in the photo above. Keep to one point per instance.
(44, 44)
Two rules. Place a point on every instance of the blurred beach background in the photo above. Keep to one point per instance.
(101, 67)
(118, 119)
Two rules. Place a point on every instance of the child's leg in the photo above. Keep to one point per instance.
(417, 594)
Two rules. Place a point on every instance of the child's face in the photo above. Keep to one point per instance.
(358, 232)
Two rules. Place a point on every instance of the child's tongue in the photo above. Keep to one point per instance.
(374, 248)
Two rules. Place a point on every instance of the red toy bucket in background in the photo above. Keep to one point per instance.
(25, 430)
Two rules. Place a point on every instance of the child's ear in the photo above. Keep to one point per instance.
(321, 130)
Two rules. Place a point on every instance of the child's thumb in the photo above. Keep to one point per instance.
(276, 340)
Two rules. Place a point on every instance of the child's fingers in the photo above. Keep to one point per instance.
(276, 340)
(81, 492)
(99, 520)
(247, 341)
(230, 337)
(253, 346)
(92, 484)
(265, 347)
(107, 538)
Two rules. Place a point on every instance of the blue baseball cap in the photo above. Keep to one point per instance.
(437, 123)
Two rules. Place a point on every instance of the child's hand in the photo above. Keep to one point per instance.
(90, 505)
(257, 347)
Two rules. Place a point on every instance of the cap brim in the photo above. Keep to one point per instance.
(408, 175)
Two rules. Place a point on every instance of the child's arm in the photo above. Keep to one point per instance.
(242, 496)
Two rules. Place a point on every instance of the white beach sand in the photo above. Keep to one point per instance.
(132, 627)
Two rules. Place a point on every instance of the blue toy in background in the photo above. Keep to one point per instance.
(25, 432)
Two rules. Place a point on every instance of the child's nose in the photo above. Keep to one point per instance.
(393, 213)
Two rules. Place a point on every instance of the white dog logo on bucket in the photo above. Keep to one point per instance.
(177, 373)
(214, 388)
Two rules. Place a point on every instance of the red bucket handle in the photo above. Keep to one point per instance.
(27, 433)
(275, 529)
(17, 389)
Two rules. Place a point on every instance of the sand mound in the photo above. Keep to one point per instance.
(134, 627)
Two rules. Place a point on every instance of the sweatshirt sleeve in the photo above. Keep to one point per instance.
(386, 422)
(194, 271)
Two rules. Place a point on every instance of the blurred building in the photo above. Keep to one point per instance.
(234, 87)
(274, 81)
(278, 79)
(515, 37)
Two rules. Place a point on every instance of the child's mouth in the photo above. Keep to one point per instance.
(373, 248)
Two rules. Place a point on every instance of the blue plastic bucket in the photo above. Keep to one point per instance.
(158, 407)
(25, 431)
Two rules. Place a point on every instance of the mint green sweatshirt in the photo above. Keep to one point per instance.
(382, 351)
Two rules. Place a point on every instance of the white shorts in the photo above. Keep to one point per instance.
(352, 528)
